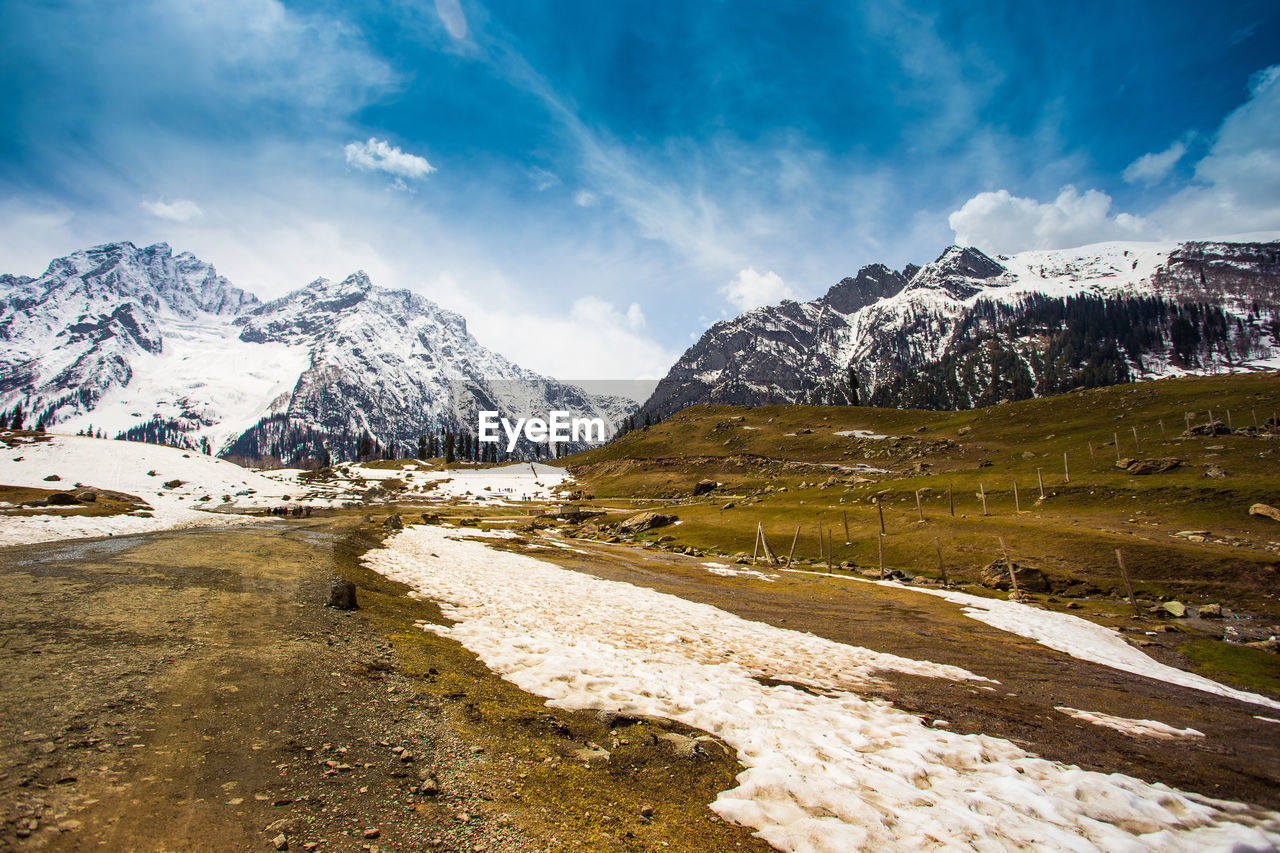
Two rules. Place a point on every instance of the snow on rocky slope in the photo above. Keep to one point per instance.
(884, 325)
(119, 337)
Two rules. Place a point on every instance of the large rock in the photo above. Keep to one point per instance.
(63, 499)
(1212, 428)
(703, 487)
(996, 576)
(1142, 467)
(1266, 511)
(646, 521)
(394, 522)
(342, 594)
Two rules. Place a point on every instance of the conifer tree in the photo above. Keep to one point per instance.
(15, 420)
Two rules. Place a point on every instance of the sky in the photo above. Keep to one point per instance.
(593, 184)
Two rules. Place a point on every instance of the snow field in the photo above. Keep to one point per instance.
(826, 770)
(1138, 728)
(123, 466)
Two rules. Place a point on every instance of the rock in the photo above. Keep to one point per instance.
(342, 594)
(996, 576)
(52, 478)
(1142, 467)
(1212, 428)
(683, 747)
(394, 522)
(729, 505)
(1210, 611)
(280, 842)
(376, 492)
(429, 786)
(172, 484)
(615, 719)
(371, 833)
(703, 487)
(63, 499)
(964, 430)
(430, 518)
(1176, 609)
(645, 521)
(591, 754)
(1216, 472)
(1266, 511)
(87, 496)
(646, 811)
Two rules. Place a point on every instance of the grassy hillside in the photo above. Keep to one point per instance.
(1184, 533)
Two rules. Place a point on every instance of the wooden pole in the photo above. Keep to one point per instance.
(1229, 424)
(1187, 417)
(764, 543)
(1093, 460)
(983, 494)
(755, 548)
(1017, 504)
(1040, 480)
(794, 540)
(880, 509)
(820, 541)
(1127, 584)
(1066, 469)
(919, 506)
(1163, 436)
(1136, 444)
(1117, 437)
(880, 544)
(1013, 576)
(951, 503)
(846, 527)
(1255, 420)
(1211, 417)
(830, 559)
(942, 568)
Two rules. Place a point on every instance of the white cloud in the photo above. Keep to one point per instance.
(1237, 183)
(543, 179)
(453, 18)
(378, 155)
(751, 289)
(999, 222)
(584, 198)
(178, 211)
(1155, 167)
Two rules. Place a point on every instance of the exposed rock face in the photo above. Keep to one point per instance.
(969, 329)
(1265, 510)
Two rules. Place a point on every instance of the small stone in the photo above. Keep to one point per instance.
(371, 833)
(646, 811)
(280, 842)
(1210, 611)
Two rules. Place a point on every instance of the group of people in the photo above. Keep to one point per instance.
(290, 512)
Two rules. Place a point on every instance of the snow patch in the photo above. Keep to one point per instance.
(1140, 728)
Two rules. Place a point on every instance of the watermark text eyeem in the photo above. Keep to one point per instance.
(558, 427)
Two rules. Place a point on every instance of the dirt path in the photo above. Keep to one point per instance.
(1238, 759)
(188, 691)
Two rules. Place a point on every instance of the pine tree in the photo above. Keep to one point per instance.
(15, 420)
(448, 448)
(422, 447)
(40, 425)
(4, 420)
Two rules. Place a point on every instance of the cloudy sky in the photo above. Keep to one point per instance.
(591, 184)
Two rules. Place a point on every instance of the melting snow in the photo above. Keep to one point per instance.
(829, 772)
(1141, 728)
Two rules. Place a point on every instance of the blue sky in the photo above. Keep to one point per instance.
(592, 184)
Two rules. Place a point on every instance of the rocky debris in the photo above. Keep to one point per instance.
(342, 594)
(995, 575)
(1215, 472)
(394, 522)
(376, 492)
(63, 499)
(1265, 510)
(703, 487)
(646, 521)
(1211, 428)
(1142, 467)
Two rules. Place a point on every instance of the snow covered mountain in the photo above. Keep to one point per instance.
(141, 341)
(969, 330)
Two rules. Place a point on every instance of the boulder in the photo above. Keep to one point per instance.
(86, 496)
(1142, 467)
(1211, 428)
(1266, 511)
(342, 594)
(52, 478)
(394, 522)
(63, 499)
(996, 576)
(1210, 611)
(703, 487)
(1176, 609)
(645, 521)
(1216, 472)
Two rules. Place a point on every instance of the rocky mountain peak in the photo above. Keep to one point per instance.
(873, 282)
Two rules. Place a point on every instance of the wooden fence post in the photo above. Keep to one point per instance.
(755, 548)
(820, 546)
(1093, 460)
(1117, 438)
(982, 493)
(1040, 480)
(1187, 417)
(846, 527)
(1163, 436)
(1127, 585)
(1017, 504)
(880, 544)
(1013, 576)
(1136, 444)
(919, 506)
(1230, 426)
(942, 568)
(951, 502)
(880, 509)
(1066, 468)
(830, 559)
(792, 552)
(1255, 420)
(764, 543)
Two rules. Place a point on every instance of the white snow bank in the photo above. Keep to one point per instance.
(827, 772)
(1081, 639)
(726, 571)
(1141, 728)
(125, 466)
(861, 433)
